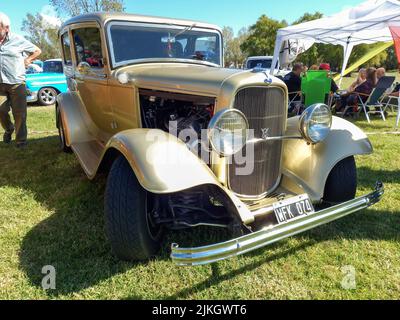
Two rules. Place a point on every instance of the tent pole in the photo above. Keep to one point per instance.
(347, 49)
(277, 50)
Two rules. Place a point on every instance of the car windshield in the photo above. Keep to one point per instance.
(259, 63)
(53, 67)
(130, 42)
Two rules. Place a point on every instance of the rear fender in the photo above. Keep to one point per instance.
(76, 122)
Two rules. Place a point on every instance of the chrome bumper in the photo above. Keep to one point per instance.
(253, 241)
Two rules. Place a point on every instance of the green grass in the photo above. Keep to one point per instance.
(51, 214)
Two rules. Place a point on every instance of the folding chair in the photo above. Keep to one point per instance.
(389, 102)
(388, 98)
(392, 106)
(374, 99)
(398, 116)
(296, 100)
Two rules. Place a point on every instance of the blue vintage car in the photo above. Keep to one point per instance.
(45, 86)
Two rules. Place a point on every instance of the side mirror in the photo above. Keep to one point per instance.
(83, 68)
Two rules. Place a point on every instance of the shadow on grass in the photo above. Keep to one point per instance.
(364, 225)
(367, 176)
(73, 240)
(217, 277)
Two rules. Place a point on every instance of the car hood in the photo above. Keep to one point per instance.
(186, 78)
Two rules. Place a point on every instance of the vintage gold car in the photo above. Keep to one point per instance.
(188, 143)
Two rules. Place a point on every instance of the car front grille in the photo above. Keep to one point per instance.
(266, 111)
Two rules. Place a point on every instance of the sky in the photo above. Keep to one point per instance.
(234, 13)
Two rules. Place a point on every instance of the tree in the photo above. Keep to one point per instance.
(42, 34)
(261, 40)
(228, 35)
(233, 54)
(76, 7)
(391, 60)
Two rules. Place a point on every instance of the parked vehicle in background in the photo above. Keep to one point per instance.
(264, 63)
(188, 143)
(259, 62)
(45, 86)
(35, 67)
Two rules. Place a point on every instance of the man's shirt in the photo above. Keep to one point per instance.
(293, 82)
(12, 66)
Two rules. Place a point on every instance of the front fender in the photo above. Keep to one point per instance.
(163, 164)
(310, 165)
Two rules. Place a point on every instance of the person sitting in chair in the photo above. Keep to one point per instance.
(362, 91)
(380, 73)
(293, 81)
(327, 67)
(362, 76)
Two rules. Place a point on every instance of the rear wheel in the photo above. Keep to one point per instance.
(47, 96)
(128, 211)
(341, 185)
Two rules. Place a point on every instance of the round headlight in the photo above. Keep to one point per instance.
(227, 131)
(315, 123)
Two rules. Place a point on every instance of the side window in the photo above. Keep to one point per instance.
(53, 66)
(87, 43)
(66, 47)
(205, 44)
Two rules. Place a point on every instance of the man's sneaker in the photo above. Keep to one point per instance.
(7, 137)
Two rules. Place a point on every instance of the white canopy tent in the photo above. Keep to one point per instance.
(367, 23)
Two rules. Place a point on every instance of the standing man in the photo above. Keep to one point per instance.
(16, 53)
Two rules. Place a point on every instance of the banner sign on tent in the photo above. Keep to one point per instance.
(396, 38)
(291, 49)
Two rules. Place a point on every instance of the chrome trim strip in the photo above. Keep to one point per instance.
(38, 83)
(275, 139)
(259, 239)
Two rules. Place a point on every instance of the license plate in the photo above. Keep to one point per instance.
(293, 208)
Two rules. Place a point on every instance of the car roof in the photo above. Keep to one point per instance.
(103, 18)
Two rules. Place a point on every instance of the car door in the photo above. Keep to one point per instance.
(91, 78)
(68, 68)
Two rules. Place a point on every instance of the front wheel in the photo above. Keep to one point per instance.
(47, 96)
(128, 211)
(341, 185)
